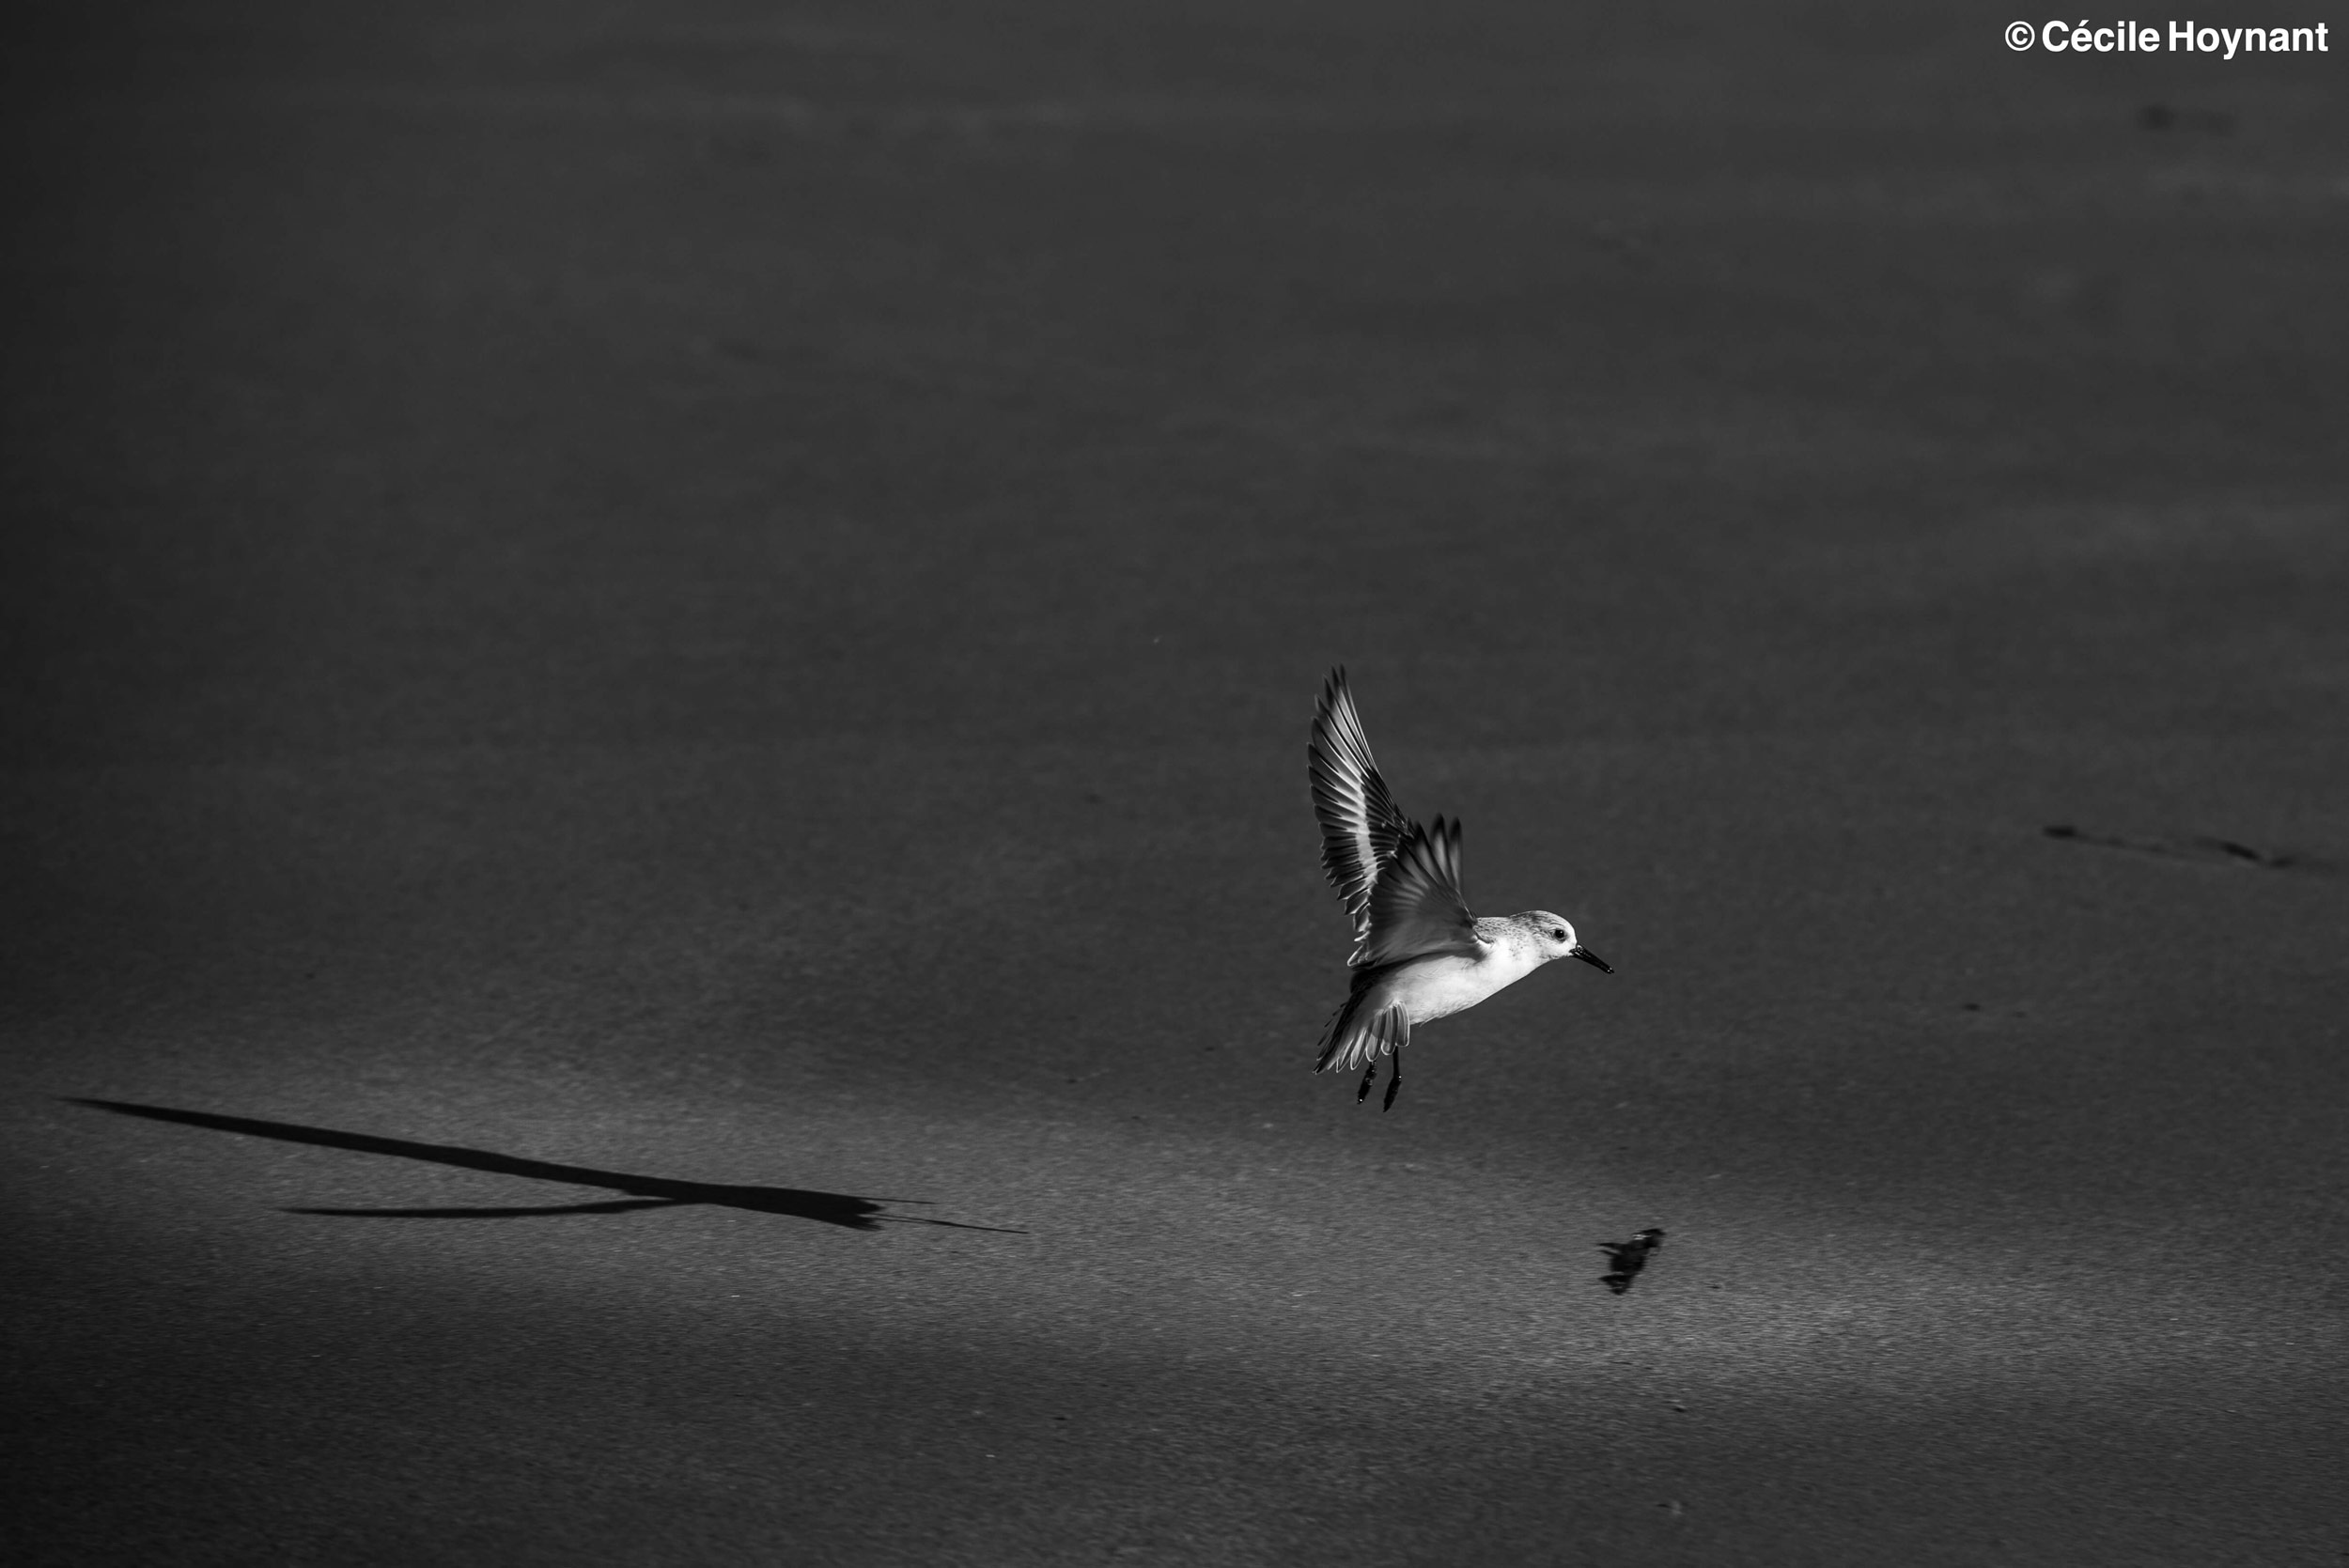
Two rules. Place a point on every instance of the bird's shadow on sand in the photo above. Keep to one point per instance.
(644, 1192)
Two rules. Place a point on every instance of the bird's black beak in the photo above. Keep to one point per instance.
(1579, 951)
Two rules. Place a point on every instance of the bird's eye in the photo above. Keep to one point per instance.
(1558, 936)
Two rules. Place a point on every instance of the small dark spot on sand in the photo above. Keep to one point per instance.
(2202, 847)
(2245, 852)
(2209, 122)
(1629, 1257)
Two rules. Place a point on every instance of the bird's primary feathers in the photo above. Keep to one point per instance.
(1419, 954)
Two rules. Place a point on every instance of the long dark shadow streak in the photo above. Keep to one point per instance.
(645, 1192)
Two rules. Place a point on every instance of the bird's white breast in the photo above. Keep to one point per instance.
(1440, 986)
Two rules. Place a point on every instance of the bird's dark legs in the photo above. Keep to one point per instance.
(1394, 1082)
(1369, 1077)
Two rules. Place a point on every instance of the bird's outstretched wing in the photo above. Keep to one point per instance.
(1417, 907)
(1361, 827)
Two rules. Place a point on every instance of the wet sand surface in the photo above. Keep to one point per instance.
(670, 643)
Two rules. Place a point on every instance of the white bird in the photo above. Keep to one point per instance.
(1419, 955)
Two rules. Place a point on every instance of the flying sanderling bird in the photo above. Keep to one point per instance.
(1419, 955)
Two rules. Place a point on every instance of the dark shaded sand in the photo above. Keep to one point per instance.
(642, 638)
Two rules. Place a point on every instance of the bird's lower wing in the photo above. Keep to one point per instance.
(1360, 827)
(1365, 1038)
(1417, 909)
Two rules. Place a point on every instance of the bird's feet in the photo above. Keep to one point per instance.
(1394, 1082)
(1370, 1076)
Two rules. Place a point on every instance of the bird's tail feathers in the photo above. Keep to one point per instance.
(1356, 1039)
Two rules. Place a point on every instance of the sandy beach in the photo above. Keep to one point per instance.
(658, 903)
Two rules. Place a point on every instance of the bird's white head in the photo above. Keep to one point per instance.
(1554, 936)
